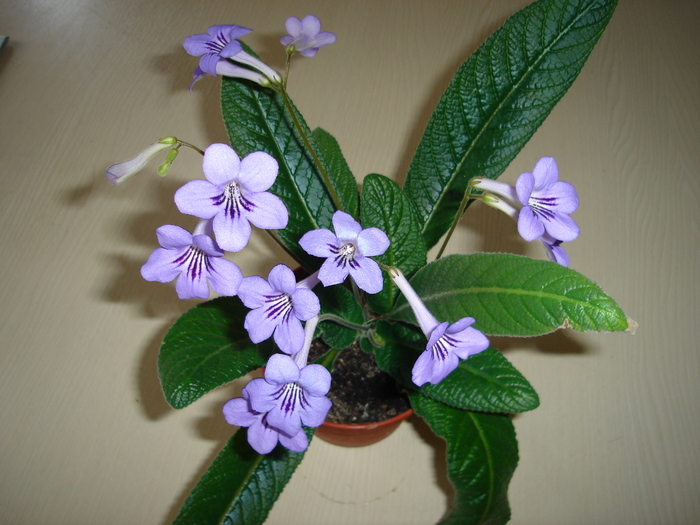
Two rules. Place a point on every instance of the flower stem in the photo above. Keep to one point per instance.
(317, 161)
(462, 206)
(339, 320)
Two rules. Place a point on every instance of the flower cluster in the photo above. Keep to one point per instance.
(235, 194)
(540, 203)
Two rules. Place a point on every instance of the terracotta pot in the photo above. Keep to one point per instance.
(359, 434)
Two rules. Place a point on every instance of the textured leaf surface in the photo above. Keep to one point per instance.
(385, 206)
(486, 381)
(206, 347)
(339, 172)
(257, 120)
(497, 100)
(512, 295)
(338, 301)
(482, 454)
(241, 486)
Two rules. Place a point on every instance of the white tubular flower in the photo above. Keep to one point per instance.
(119, 172)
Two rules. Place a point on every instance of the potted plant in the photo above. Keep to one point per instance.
(369, 281)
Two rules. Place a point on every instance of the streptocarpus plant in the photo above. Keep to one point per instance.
(426, 322)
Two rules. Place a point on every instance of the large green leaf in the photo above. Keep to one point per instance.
(512, 295)
(257, 120)
(482, 454)
(240, 486)
(339, 173)
(206, 347)
(497, 100)
(484, 382)
(385, 206)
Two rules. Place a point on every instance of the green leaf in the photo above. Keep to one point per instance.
(257, 120)
(512, 295)
(385, 206)
(206, 347)
(339, 301)
(339, 172)
(497, 100)
(240, 486)
(482, 453)
(485, 382)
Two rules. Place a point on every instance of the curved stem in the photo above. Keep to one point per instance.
(339, 320)
(317, 161)
(462, 206)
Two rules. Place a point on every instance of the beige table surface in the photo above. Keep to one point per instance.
(85, 435)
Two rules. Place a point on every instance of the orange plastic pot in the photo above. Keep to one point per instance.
(359, 434)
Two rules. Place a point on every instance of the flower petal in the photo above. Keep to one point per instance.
(289, 335)
(221, 164)
(367, 275)
(561, 227)
(224, 276)
(161, 266)
(281, 369)
(545, 173)
(262, 438)
(257, 324)
(315, 380)
(330, 273)
(530, 227)
(258, 171)
(269, 211)
(253, 290)
(197, 198)
(298, 443)
(232, 233)
(345, 226)
(305, 303)
(372, 242)
(524, 186)
(282, 279)
(314, 413)
(237, 412)
(319, 242)
(173, 237)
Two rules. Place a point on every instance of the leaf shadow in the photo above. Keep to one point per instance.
(439, 447)
(560, 342)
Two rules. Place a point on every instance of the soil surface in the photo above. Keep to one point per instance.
(360, 392)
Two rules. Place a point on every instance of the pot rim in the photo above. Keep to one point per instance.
(365, 426)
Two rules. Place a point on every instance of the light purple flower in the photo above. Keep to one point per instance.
(119, 172)
(194, 260)
(275, 407)
(546, 203)
(447, 343)
(278, 305)
(234, 195)
(219, 45)
(348, 251)
(305, 36)
(555, 252)
(262, 437)
(552, 246)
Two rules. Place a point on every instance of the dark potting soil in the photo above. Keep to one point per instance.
(360, 392)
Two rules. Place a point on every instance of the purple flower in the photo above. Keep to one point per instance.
(119, 172)
(546, 203)
(261, 436)
(305, 35)
(219, 45)
(552, 246)
(194, 260)
(348, 251)
(275, 407)
(234, 195)
(278, 305)
(447, 343)
(555, 252)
